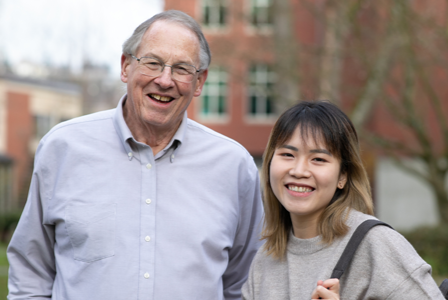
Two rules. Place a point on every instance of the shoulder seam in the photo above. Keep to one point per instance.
(71, 123)
(211, 132)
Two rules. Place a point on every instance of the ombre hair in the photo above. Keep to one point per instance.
(327, 124)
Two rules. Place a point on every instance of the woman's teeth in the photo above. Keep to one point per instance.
(300, 189)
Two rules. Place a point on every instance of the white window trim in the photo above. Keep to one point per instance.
(213, 84)
(264, 78)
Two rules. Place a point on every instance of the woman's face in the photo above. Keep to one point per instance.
(304, 177)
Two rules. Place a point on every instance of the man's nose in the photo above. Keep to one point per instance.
(165, 79)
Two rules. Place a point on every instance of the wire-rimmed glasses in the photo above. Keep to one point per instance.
(154, 67)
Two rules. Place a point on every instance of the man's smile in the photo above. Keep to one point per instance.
(160, 98)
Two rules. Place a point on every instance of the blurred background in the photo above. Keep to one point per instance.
(385, 63)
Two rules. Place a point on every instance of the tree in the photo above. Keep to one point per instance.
(375, 55)
(414, 95)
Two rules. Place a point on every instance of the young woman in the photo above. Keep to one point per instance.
(316, 192)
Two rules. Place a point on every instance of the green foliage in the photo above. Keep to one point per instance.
(3, 287)
(432, 245)
(3, 272)
(3, 258)
(8, 221)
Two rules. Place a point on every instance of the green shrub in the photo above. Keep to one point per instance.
(432, 245)
(8, 222)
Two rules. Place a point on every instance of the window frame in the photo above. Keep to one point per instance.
(258, 5)
(261, 85)
(215, 93)
(219, 13)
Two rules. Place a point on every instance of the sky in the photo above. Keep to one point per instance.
(65, 32)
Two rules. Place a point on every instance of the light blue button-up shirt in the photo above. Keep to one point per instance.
(106, 219)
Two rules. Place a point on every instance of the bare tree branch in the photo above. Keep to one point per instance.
(379, 71)
(286, 47)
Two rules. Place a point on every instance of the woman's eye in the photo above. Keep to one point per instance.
(287, 154)
(319, 159)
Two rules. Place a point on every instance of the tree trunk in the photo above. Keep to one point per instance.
(442, 200)
(331, 62)
(287, 91)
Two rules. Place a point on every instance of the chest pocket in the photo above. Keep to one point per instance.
(91, 228)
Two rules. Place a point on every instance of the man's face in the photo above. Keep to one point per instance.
(159, 102)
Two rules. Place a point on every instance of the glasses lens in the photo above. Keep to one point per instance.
(180, 72)
(183, 72)
(151, 66)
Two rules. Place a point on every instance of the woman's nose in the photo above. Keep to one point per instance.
(300, 169)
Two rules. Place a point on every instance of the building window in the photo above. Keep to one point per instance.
(214, 13)
(214, 93)
(42, 125)
(261, 12)
(261, 88)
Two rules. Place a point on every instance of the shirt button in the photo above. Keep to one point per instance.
(146, 275)
(130, 154)
(148, 166)
(147, 238)
(148, 201)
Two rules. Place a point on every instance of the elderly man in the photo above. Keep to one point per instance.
(140, 202)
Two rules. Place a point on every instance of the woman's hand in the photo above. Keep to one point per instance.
(328, 289)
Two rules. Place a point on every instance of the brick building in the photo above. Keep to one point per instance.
(237, 99)
(28, 110)
(240, 101)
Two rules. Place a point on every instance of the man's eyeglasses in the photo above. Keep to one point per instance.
(181, 72)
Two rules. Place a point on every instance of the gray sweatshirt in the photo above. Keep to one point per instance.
(385, 266)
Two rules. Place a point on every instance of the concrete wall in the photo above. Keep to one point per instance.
(402, 200)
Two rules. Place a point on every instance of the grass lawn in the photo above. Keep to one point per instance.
(3, 272)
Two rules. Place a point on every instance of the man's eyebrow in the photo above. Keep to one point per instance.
(152, 55)
(289, 147)
(324, 151)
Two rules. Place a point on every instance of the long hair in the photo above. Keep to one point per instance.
(324, 122)
(130, 46)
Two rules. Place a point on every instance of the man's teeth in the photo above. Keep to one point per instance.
(161, 98)
(300, 189)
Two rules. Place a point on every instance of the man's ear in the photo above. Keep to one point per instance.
(125, 62)
(342, 180)
(202, 76)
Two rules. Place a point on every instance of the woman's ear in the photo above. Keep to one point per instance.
(342, 181)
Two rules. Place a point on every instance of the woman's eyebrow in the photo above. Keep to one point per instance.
(324, 151)
(289, 147)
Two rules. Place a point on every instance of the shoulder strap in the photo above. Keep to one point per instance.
(444, 288)
(352, 245)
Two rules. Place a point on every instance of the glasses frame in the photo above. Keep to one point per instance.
(166, 65)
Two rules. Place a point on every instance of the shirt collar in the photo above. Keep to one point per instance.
(125, 133)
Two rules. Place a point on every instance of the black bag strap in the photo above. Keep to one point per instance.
(444, 288)
(353, 244)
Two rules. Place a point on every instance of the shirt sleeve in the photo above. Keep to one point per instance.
(419, 285)
(30, 252)
(393, 268)
(247, 238)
